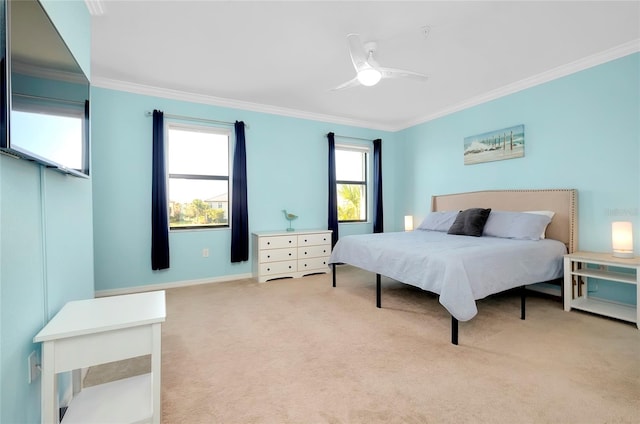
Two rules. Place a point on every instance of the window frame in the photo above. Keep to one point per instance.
(366, 150)
(199, 127)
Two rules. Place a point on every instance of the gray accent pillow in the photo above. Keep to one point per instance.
(516, 225)
(470, 222)
(438, 221)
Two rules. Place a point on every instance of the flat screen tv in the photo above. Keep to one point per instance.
(45, 93)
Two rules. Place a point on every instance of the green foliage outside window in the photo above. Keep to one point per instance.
(195, 213)
(350, 199)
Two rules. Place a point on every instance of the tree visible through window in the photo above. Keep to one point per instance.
(351, 179)
(198, 167)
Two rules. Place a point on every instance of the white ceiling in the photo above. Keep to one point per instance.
(284, 57)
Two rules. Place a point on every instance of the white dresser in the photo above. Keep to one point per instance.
(278, 254)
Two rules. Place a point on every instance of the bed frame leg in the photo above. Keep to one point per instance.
(523, 301)
(454, 331)
(333, 273)
(378, 291)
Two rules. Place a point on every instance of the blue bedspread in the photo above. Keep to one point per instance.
(461, 269)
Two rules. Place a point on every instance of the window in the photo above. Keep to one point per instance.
(351, 180)
(198, 167)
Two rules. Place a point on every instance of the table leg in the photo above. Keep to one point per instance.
(49, 385)
(155, 372)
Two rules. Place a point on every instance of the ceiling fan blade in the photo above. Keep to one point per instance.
(401, 73)
(352, 83)
(357, 51)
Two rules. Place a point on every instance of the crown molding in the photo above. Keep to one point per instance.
(230, 103)
(559, 72)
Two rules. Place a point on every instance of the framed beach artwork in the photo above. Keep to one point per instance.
(507, 143)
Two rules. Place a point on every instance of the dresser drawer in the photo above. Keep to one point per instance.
(313, 251)
(313, 239)
(313, 265)
(278, 242)
(278, 267)
(274, 255)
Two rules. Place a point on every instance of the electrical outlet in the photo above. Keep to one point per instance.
(34, 366)
(205, 253)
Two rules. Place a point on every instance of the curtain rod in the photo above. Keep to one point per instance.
(353, 138)
(189, 118)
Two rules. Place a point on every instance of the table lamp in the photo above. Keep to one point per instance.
(408, 223)
(622, 239)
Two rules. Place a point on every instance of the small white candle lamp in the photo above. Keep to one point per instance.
(622, 239)
(408, 223)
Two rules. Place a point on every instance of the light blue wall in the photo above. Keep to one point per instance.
(46, 250)
(581, 131)
(286, 168)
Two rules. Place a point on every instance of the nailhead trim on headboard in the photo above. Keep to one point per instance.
(567, 208)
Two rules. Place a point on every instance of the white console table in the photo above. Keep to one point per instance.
(95, 331)
(577, 270)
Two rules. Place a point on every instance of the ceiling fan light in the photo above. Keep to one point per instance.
(369, 76)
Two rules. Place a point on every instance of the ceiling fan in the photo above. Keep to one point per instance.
(368, 71)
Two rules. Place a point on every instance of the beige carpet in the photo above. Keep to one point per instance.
(300, 351)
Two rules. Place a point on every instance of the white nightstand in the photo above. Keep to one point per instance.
(576, 272)
(96, 331)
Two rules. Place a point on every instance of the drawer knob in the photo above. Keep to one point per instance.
(268, 256)
(305, 265)
(324, 250)
(268, 242)
(289, 266)
(305, 253)
(268, 269)
(289, 254)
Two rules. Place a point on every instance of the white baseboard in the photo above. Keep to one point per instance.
(170, 285)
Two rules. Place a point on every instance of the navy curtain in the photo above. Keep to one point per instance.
(239, 208)
(333, 191)
(159, 215)
(378, 221)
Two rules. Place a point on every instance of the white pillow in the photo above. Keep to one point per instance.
(516, 225)
(438, 221)
(550, 214)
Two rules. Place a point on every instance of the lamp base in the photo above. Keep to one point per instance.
(626, 254)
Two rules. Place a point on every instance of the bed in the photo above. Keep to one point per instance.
(464, 269)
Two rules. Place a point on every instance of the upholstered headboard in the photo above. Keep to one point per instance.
(564, 202)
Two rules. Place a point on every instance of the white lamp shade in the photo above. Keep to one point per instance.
(408, 223)
(622, 239)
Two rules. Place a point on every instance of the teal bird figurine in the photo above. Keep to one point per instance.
(290, 217)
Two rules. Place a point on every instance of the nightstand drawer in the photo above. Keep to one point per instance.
(313, 264)
(275, 255)
(313, 251)
(278, 267)
(314, 239)
(278, 242)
